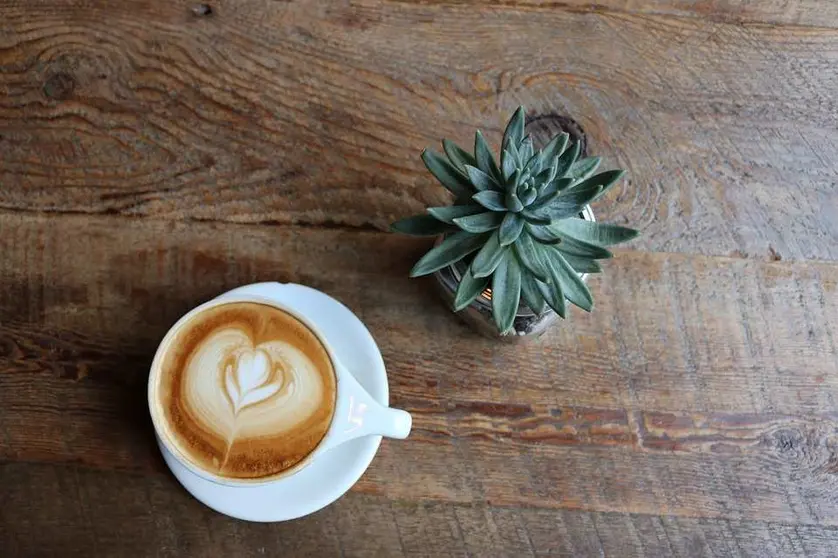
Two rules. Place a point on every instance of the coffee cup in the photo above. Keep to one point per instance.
(244, 390)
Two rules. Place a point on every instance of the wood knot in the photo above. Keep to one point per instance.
(811, 450)
(60, 86)
(202, 10)
(542, 127)
(789, 442)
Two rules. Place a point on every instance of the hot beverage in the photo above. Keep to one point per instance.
(243, 390)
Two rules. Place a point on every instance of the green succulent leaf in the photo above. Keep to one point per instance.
(580, 194)
(553, 169)
(532, 166)
(514, 181)
(530, 293)
(530, 195)
(448, 213)
(553, 149)
(524, 176)
(574, 289)
(601, 234)
(567, 159)
(458, 156)
(421, 225)
(570, 202)
(516, 156)
(563, 183)
(528, 254)
(455, 181)
(470, 288)
(575, 247)
(547, 194)
(550, 193)
(489, 256)
(451, 250)
(481, 222)
(542, 178)
(582, 265)
(490, 200)
(485, 159)
(582, 169)
(510, 228)
(526, 149)
(604, 180)
(535, 218)
(512, 202)
(506, 292)
(509, 163)
(481, 180)
(553, 296)
(514, 132)
(558, 211)
(543, 234)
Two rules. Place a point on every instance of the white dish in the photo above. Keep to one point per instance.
(324, 480)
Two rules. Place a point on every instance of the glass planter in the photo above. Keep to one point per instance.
(478, 315)
(528, 324)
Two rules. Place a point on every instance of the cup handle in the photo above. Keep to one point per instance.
(357, 414)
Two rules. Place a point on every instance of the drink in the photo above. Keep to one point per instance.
(243, 391)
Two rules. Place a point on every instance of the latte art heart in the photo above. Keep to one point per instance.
(251, 390)
(247, 378)
(255, 390)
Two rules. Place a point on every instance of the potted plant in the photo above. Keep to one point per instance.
(520, 238)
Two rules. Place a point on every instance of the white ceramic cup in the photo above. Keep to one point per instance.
(356, 412)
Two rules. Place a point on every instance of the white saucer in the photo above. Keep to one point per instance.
(332, 475)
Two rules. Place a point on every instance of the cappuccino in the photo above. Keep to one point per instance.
(243, 390)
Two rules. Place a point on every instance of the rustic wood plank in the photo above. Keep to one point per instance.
(789, 480)
(609, 534)
(305, 113)
(73, 511)
(69, 511)
(669, 333)
(658, 403)
(810, 13)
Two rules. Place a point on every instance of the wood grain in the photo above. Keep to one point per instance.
(809, 13)
(697, 388)
(299, 112)
(154, 154)
(75, 510)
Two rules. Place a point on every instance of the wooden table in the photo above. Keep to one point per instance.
(156, 153)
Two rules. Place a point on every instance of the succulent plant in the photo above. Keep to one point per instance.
(517, 225)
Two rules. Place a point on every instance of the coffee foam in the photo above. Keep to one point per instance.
(245, 390)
